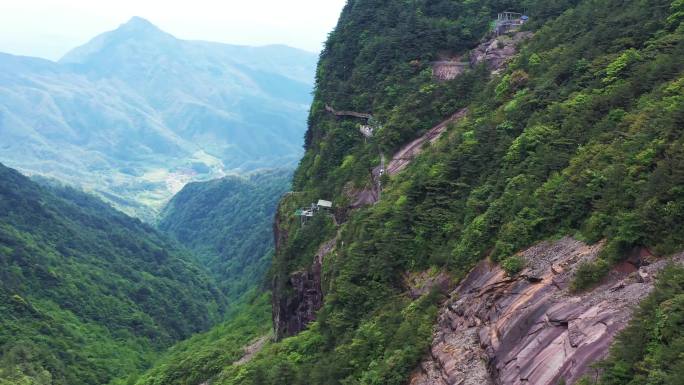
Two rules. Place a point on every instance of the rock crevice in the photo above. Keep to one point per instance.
(530, 329)
(295, 305)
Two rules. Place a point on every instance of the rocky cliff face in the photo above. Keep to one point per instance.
(295, 305)
(498, 51)
(495, 52)
(529, 329)
(297, 308)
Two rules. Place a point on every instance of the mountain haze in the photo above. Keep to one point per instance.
(135, 113)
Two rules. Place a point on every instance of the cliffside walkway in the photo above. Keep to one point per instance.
(360, 115)
(401, 159)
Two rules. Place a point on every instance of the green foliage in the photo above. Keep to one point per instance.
(228, 224)
(623, 62)
(207, 110)
(513, 265)
(589, 274)
(650, 350)
(382, 350)
(205, 355)
(20, 365)
(581, 135)
(302, 243)
(88, 294)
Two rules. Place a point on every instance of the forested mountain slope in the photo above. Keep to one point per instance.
(573, 138)
(88, 294)
(228, 224)
(136, 113)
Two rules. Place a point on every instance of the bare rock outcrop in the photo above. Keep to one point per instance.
(295, 305)
(529, 329)
(401, 159)
(406, 154)
(369, 195)
(420, 283)
(497, 51)
(295, 309)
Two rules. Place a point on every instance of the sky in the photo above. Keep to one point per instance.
(50, 28)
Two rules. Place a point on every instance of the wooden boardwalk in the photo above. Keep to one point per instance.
(352, 114)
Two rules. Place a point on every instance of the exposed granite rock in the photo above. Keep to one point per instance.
(410, 151)
(296, 309)
(530, 329)
(365, 196)
(496, 52)
(421, 283)
(400, 160)
(295, 305)
(279, 304)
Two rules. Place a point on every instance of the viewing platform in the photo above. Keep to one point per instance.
(509, 22)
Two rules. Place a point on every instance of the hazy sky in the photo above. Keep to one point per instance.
(49, 28)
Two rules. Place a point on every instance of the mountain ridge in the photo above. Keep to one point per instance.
(559, 182)
(135, 113)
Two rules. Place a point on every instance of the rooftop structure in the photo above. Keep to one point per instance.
(509, 21)
(308, 212)
(305, 212)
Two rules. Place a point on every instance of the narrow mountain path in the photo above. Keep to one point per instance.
(360, 115)
(251, 350)
(401, 159)
(406, 154)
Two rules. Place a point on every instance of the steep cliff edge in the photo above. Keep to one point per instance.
(296, 307)
(578, 133)
(293, 311)
(530, 329)
(297, 290)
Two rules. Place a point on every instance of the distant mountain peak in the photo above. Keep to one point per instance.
(139, 24)
(136, 29)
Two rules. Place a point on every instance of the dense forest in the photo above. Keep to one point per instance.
(93, 296)
(227, 223)
(651, 349)
(580, 135)
(205, 355)
(88, 294)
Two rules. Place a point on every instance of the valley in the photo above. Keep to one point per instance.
(490, 192)
(135, 113)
